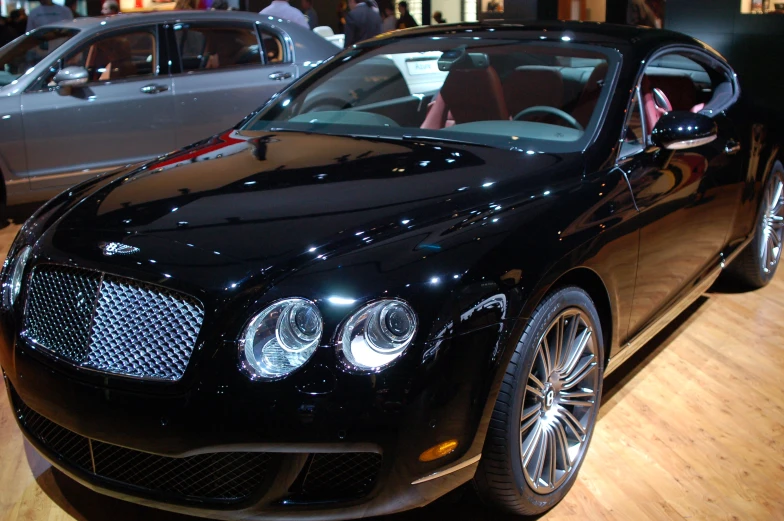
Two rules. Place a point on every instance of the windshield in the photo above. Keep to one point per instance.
(26, 51)
(492, 91)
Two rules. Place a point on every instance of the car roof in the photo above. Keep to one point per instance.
(585, 32)
(132, 19)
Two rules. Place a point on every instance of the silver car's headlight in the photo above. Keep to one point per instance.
(280, 339)
(377, 335)
(14, 271)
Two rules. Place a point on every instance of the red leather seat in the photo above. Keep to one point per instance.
(532, 85)
(474, 95)
(680, 90)
(590, 95)
(654, 101)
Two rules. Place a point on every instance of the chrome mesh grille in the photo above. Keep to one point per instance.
(143, 330)
(112, 324)
(59, 306)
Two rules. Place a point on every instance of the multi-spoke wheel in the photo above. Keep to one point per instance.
(757, 264)
(546, 410)
(772, 223)
(560, 401)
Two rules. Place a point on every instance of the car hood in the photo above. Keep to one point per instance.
(259, 202)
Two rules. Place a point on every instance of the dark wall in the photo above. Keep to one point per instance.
(753, 44)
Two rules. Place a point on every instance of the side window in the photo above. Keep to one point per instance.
(117, 57)
(634, 133)
(205, 47)
(273, 47)
(685, 81)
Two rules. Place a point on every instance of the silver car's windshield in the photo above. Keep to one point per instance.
(497, 91)
(26, 51)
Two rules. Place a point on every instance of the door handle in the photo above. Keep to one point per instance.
(154, 88)
(280, 76)
(732, 147)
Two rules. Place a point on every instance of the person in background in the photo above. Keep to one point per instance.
(110, 7)
(439, 17)
(47, 13)
(362, 21)
(184, 5)
(310, 13)
(389, 23)
(282, 9)
(7, 34)
(73, 5)
(220, 5)
(405, 20)
(17, 19)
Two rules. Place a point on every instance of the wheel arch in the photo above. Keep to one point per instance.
(590, 281)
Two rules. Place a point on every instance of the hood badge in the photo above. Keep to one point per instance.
(118, 248)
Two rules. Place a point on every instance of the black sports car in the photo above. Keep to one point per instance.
(346, 309)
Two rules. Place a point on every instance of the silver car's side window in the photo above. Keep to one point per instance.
(116, 57)
(219, 46)
(274, 47)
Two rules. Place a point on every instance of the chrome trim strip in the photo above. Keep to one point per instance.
(449, 470)
(645, 336)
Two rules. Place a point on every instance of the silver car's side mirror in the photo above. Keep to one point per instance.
(70, 77)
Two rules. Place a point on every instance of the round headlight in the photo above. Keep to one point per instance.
(376, 335)
(13, 284)
(280, 339)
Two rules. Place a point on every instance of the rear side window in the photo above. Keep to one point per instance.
(274, 50)
(206, 47)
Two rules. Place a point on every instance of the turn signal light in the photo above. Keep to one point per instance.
(438, 451)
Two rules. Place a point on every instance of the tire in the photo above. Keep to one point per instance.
(756, 264)
(527, 404)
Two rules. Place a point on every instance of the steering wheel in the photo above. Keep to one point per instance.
(542, 109)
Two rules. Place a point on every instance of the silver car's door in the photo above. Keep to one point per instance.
(225, 70)
(124, 114)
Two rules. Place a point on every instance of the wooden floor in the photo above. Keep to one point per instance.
(691, 428)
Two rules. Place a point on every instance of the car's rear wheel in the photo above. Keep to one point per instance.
(546, 410)
(757, 264)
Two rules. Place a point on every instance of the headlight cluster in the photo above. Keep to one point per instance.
(13, 270)
(285, 334)
(376, 335)
(280, 339)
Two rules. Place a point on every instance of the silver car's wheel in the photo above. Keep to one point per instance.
(772, 223)
(560, 401)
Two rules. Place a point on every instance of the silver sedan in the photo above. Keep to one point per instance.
(85, 96)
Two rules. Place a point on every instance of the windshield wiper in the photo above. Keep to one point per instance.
(437, 139)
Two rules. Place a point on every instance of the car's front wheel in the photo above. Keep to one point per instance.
(546, 410)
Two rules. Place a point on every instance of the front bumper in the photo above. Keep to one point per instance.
(203, 423)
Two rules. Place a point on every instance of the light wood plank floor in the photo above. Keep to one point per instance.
(691, 428)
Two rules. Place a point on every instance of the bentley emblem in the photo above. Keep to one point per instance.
(118, 248)
(549, 398)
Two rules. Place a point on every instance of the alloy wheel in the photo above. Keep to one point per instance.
(560, 401)
(772, 223)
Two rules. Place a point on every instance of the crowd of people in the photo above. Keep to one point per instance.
(359, 19)
(19, 21)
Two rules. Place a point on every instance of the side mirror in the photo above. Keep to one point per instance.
(679, 130)
(70, 77)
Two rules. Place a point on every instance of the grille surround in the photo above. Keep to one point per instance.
(111, 324)
(219, 477)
